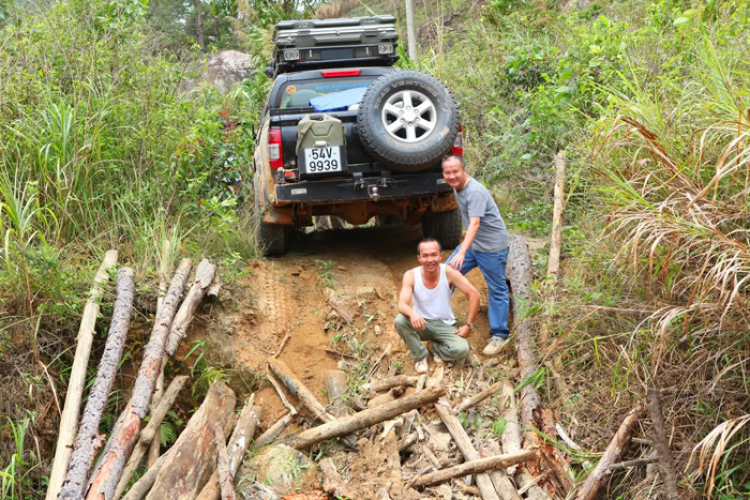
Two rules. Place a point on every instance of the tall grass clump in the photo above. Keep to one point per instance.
(672, 172)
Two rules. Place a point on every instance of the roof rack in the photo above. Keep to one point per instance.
(313, 43)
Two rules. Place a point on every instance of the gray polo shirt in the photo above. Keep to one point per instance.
(475, 201)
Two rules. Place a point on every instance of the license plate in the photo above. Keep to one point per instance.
(322, 160)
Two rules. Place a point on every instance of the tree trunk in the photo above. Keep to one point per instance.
(475, 467)
(243, 433)
(467, 449)
(151, 432)
(88, 434)
(189, 467)
(125, 434)
(619, 442)
(72, 406)
(366, 418)
(199, 24)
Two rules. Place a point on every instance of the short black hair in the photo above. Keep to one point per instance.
(428, 240)
(448, 158)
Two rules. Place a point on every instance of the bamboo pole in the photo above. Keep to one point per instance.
(69, 418)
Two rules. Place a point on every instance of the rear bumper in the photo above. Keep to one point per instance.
(364, 188)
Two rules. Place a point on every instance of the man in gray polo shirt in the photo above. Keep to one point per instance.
(485, 245)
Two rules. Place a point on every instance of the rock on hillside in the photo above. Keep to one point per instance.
(223, 69)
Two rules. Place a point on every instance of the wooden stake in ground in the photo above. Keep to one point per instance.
(661, 443)
(238, 445)
(553, 266)
(467, 449)
(151, 432)
(620, 441)
(189, 468)
(366, 418)
(69, 418)
(474, 467)
(125, 434)
(88, 434)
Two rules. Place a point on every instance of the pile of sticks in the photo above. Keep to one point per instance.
(78, 445)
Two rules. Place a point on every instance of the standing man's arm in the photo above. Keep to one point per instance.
(471, 232)
(404, 302)
(459, 280)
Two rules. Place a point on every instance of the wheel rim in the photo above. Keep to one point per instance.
(409, 116)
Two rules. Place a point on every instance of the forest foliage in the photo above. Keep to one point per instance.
(105, 142)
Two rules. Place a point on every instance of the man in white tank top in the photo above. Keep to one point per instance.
(425, 308)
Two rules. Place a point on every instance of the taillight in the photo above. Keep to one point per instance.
(275, 154)
(458, 143)
(346, 72)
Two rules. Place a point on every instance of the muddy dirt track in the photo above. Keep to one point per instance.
(362, 269)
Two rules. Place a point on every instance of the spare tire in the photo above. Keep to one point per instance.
(407, 120)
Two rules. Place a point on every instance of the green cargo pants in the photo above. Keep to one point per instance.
(449, 346)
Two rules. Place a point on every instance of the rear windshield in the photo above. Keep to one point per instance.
(297, 94)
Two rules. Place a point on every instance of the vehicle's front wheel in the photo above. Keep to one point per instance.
(446, 227)
(272, 239)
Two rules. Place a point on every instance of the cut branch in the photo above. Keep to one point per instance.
(478, 398)
(296, 387)
(366, 418)
(387, 383)
(475, 467)
(661, 443)
(72, 406)
(620, 441)
(222, 466)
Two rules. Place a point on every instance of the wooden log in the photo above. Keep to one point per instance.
(470, 453)
(165, 259)
(553, 265)
(204, 274)
(512, 437)
(226, 480)
(77, 381)
(479, 397)
(595, 480)
(387, 383)
(141, 488)
(332, 482)
(88, 440)
(273, 432)
(336, 388)
(238, 445)
(366, 418)
(215, 288)
(107, 475)
(661, 443)
(151, 432)
(521, 274)
(297, 388)
(500, 478)
(393, 464)
(195, 451)
(475, 466)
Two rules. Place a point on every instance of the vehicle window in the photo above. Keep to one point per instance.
(298, 94)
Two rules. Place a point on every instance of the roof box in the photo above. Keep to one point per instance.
(312, 43)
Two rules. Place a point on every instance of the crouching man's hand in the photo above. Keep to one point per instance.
(464, 331)
(417, 321)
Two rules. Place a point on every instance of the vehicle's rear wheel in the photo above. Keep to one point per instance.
(407, 120)
(273, 239)
(446, 227)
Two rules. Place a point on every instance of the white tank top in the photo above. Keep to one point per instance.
(433, 303)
